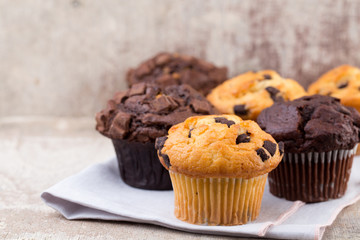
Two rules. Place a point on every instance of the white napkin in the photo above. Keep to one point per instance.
(99, 193)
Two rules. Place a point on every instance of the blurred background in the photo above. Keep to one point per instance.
(66, 58)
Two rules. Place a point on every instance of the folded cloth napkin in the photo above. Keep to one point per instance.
(98, 193)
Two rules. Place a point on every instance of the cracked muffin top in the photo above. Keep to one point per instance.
(146, 111)
(342, 82)
(248, 94)
(219, 146)
(312, 124)
(166, 69)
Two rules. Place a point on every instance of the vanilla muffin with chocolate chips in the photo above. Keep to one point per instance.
(342, 82)
(166, 69)
(248, 94)
(209, 155)
(133, 120)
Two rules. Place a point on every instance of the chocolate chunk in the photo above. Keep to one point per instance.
(122, 120)
(189, 136)
(240, 109)
(166, 160)
(100, 121)
(117, 132)
(120, 125)
(281, 147)
(200, 106)
(166, 80)
(261, 152)
(162, 58)
(343, 85)
(274, 94)
(153, 111)
(270, 147)
(137, 89)
(159, 143)
(144, 69)
(267, 76)
(224, 121)
(120, 97)
(164, 103)
(242, 138)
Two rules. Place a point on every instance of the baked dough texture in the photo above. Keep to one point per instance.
(342, 82)
(248, 94)
(219, 146)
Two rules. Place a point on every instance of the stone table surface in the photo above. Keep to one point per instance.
(36, 153)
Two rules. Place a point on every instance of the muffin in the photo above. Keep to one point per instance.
(342, 82)
(166, 69)
(248, 94)
(218, 166)
(133, 120)
(320, 137)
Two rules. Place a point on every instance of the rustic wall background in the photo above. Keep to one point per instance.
(66, 58)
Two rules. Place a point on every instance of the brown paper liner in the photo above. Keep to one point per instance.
(217, 201)
(140, 166)
(312, 177)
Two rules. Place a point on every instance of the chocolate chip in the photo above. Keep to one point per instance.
(274, 94)
(242, 138)
(166, 159)
(281, 147)
(267, 76)
(224, 121)
(261, 152)
(270, 147)
(190, 133)
(159, 142)
(240, 110)
(122, 119)
(120, 97)
(343, 85)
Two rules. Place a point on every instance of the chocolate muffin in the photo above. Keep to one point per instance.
(166, 69)
(133, 119)
(320, 137)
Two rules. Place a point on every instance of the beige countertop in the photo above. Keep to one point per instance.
(36, 153)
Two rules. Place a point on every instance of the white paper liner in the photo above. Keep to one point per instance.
(217, 201)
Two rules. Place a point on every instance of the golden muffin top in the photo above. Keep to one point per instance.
(342, 82)
(219, 146)
(248, 94)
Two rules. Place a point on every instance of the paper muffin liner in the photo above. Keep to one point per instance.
(312, 177)
(139, 165)
(217, 201)
(357, 152)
